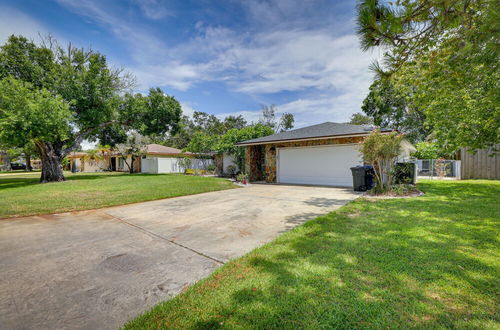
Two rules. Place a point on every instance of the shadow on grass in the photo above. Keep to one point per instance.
(424, 262)
(7, 182)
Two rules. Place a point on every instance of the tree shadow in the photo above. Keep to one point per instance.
(7, 182)
(326, 202)
(420, 262)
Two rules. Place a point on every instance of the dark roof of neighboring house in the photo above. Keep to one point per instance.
(324, 130)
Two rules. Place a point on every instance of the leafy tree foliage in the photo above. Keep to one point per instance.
(227, 143)
(444, 57)
(390, 108)
(202, 142)
(58, 97)
(380, 151)
(360, 119)
(200, 124)
(428, 150)
(133, 149)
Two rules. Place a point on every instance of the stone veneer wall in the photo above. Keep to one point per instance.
(253, 155)
(253, 162)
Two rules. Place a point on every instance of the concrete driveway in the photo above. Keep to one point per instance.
(98, 269)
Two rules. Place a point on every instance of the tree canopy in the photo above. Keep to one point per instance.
(443, 57)
(227, 143)
(388, 107)
(360, 119)
(57, 97)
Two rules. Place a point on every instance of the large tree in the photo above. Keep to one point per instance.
(201, 123)
(390, 108)
(443, 56)
(360, 119)
(62, 96)
(268, 118)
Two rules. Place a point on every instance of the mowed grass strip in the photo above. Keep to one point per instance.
(23, 195)
(426, 262)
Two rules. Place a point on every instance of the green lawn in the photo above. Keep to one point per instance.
(426, 262)
(21, 194)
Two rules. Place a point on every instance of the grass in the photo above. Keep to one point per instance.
(426, 262)
(21, 194)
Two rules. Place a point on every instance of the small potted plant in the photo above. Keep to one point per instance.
(242, 177)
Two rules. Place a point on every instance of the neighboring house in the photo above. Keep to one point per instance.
(318, 155)
(161, 159)
(158, 159)
(106, 161)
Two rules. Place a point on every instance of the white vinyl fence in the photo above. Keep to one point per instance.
(438, 168)
(171, 165)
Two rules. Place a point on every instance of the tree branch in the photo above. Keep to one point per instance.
(83, 134)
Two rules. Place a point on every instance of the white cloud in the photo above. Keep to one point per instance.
(324, 65)
(154, 9)
(187, 109)
(13, 21)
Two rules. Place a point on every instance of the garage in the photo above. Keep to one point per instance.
(320, 154)
(320, 165)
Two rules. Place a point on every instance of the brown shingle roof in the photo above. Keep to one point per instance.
(158, 149)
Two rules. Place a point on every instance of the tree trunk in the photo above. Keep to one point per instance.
(131, 164)
(28, 162)
(51, 156)
(6, 162)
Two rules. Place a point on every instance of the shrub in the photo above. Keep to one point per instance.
(211, 167)
(403, 173)
(185, 163)
(380, 151)
(231, 169)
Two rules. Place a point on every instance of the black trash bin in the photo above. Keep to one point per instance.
(369, 177)
(358, 178)
(362, 177)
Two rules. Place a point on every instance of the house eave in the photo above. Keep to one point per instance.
(242, 144)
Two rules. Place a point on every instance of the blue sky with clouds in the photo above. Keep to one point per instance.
(222, 57)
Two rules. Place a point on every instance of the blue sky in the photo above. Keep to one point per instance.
(222, 57)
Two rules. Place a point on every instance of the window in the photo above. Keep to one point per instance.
(120, 163)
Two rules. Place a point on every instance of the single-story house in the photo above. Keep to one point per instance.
(161, 159)
(158, 159)
(317, 155)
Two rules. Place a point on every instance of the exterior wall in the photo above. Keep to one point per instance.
(89, 166)
(104, 164)
(170, 164)
(484, 164)
(228, 160)
(251, 156)
(406, 149)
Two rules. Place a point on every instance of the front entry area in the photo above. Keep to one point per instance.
(318, 165)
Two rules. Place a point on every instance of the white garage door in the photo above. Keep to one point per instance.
(325, 165)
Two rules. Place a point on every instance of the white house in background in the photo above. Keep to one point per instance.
(158, 159)
(161, 159)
